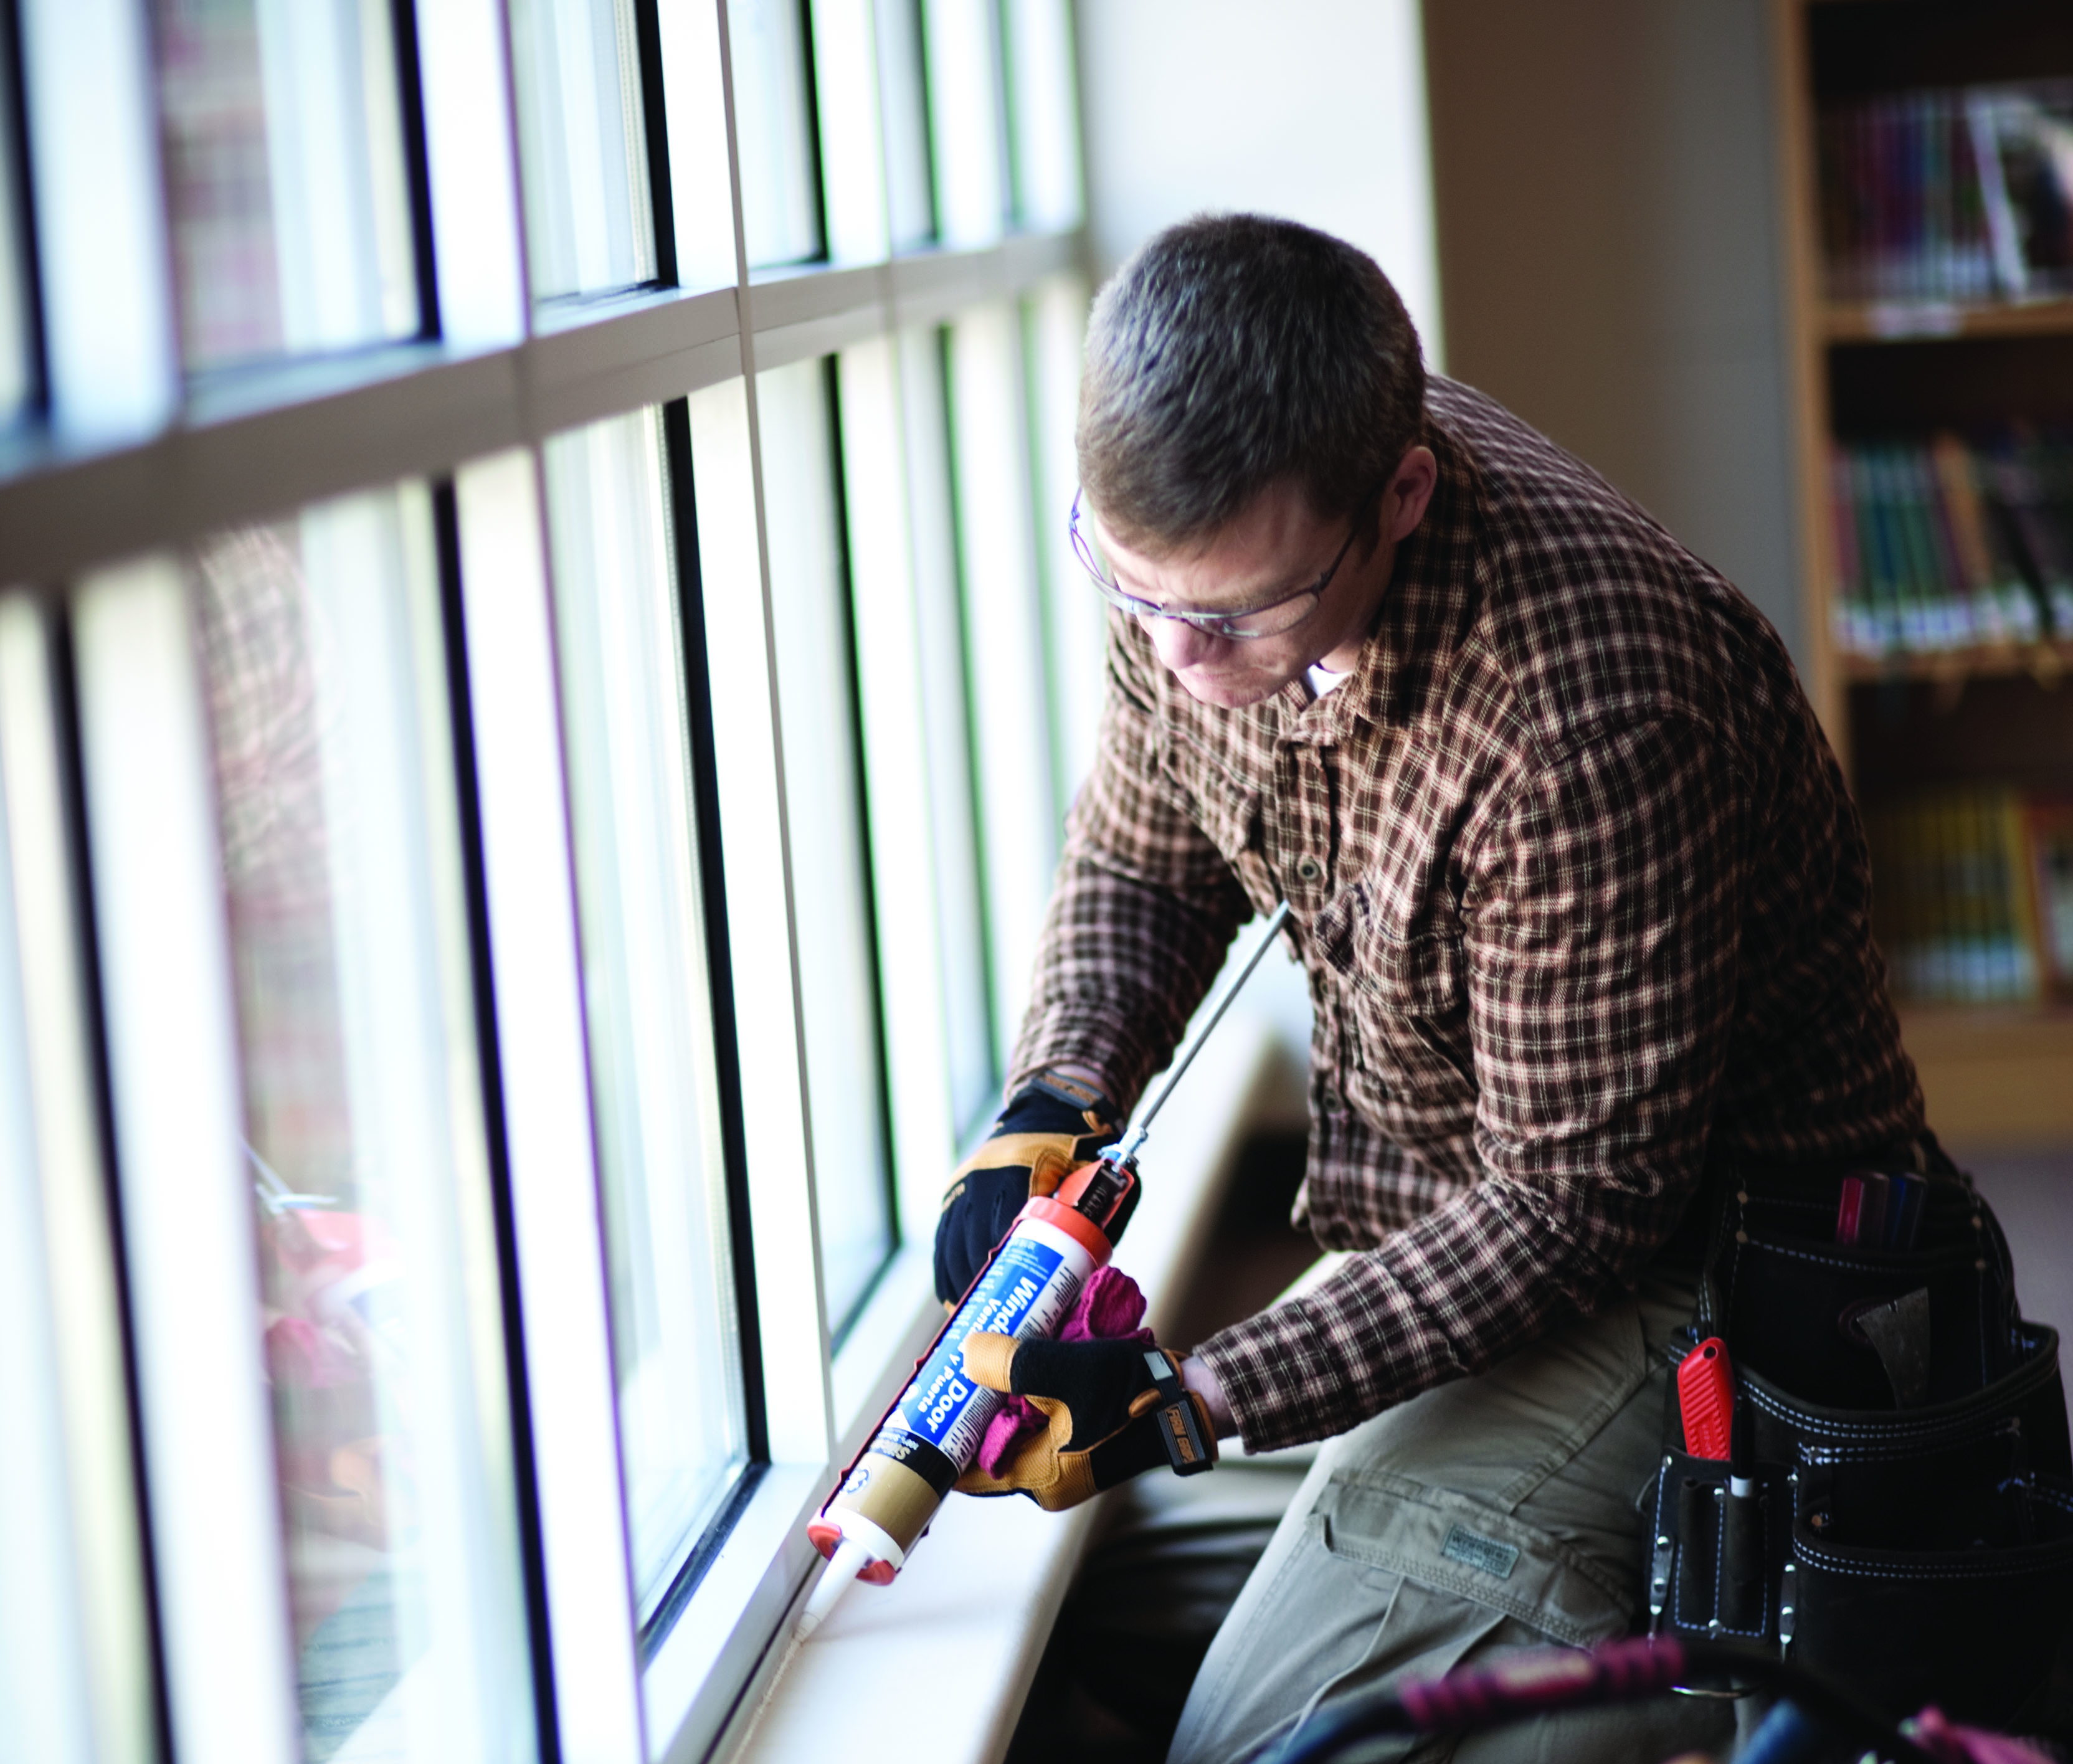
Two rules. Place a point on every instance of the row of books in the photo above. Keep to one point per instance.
(1961, 194)
(1973, 893)
(1947, 543)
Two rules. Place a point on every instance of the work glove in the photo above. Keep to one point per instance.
(1050, 1126)
(1112, 1409)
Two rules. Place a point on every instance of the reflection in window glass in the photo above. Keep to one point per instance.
(655, 1100)
(15, 269)
(590, 226)
(773, 122)
(825, 820)
(967, 120)
(904, 104)
(320, 648)
(1019, 825)
(1044, 132)
(285, 176)
(953, 806)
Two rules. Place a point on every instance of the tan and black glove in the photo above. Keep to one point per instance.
(1050, 1126)
(1112, 1409)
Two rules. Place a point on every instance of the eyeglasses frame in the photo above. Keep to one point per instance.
(1218, 624)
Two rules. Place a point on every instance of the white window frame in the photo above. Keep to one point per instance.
(130, 466)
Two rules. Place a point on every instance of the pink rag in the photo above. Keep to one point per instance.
(1945, 1739)
(1108, 1308)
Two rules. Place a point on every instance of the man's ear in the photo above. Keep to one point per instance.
(1416, 476)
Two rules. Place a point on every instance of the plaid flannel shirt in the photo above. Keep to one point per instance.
(1581, 892)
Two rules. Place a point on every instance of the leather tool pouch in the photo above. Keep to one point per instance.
(1912, 1530)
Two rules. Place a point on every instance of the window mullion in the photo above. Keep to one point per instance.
(791, 1307)
(534, 954)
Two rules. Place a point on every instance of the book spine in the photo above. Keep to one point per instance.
(1875, 537)
(2048, 847)
(1850, 611)
(2025, 943)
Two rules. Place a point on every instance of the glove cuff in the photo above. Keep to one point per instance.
(1051, 1103)
(1191, 1446)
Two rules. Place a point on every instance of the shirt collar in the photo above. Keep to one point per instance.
(1424, 615)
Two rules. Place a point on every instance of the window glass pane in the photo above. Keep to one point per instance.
(590, 225)
(846, 98)
(967, 121)
(1044, 125)
(953, 806)
(780, 197)
(1003, 632)
(825, 820)
(15, 269)
(44, 1699)
(285, 176)
(654, 1098)
(75, 1673)
(903, 100)
(321, 651)
(1054, 327)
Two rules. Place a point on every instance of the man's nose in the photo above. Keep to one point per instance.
(1181, 645)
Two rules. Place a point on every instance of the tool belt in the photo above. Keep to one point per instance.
(1910, 1529)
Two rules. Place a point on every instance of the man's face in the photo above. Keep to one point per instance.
(1276, 548)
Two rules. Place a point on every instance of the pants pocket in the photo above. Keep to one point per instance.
(1452, 1544)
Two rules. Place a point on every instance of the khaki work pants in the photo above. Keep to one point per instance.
(1496, 1513)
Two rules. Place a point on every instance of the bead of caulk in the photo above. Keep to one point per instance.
(851, 1558)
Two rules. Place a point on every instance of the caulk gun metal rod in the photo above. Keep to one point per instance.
(1216, 1016)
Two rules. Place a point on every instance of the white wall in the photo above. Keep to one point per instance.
(1609, 228)
(1311, 109)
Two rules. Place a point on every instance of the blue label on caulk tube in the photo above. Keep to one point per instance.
(1028, 1291)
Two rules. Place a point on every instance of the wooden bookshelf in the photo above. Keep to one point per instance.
(2047, 663)
(1992, 1075)
(1908, 321)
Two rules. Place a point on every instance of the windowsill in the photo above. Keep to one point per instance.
(969, 1614)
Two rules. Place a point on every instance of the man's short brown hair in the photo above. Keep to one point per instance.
(1233, 352)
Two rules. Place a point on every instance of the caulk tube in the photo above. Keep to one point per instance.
(931, 1435)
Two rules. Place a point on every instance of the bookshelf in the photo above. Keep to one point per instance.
(1952, 346)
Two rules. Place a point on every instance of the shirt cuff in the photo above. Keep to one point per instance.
(1101, 1040)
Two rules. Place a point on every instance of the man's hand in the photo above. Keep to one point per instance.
(1112, 1409)
(1051, 1125)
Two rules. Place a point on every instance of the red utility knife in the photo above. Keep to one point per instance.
(1706, 1394)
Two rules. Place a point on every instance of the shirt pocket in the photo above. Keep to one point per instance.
(1411, 1064)
(1226, 811)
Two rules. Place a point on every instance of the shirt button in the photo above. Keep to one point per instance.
(1309, 869)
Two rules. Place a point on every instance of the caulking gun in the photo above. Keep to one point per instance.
(931, 1434)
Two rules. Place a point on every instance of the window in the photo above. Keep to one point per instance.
(653, 1084)
(76, 1675)
(1075, 620)
(17, 337)
(967, 120)
(969, 1049)
(497, 968)
(590, 219)
(903, 90)
(322, 681)
(780, 197)
(285, 157)
(1004, 634)
(825, 816)
(1044, 135)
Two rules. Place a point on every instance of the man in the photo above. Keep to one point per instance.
(1584, 905)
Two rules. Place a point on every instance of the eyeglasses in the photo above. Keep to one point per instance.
(1270, 621)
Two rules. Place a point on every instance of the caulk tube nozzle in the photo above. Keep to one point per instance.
(851, 1558)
